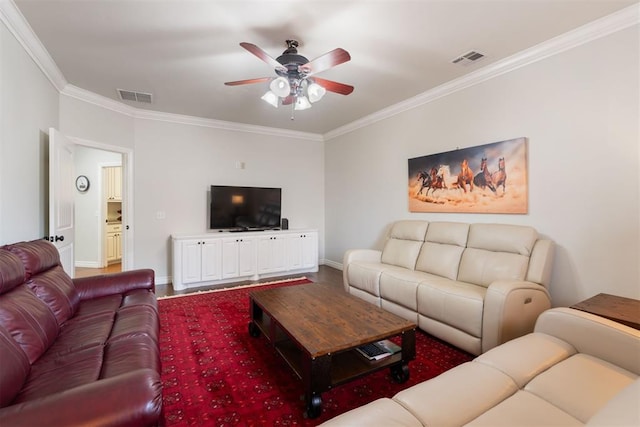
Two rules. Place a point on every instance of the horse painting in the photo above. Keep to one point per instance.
(499, 177)
(484, 179)
(465, 176)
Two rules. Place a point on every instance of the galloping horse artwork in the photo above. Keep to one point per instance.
(483, 179)
(446, 182)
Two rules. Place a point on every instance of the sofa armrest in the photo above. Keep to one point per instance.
(131, 399)
(116, 283)
(367, 255)
(594, 335)
(511, 308)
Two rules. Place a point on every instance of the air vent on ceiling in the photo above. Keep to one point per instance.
(129, 95)
(468, 57)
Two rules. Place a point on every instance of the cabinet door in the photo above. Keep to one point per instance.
(111, 246)
(247, 257)
(118, 244)
(310, 250)
(272, 254)
(117, 182)
(230, 258)
(211, 258)
(114, 182)
(302, 251)
(191, 261)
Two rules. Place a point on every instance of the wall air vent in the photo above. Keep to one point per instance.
(468, 58)
(129, 95)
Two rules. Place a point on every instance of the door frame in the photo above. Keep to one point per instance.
(127, 196)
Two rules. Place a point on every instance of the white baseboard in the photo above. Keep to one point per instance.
(333, 264)
(87, 264)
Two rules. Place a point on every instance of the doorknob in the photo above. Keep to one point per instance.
(59, 238)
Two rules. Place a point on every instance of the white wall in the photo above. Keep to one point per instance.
(95, 123)
(28, 108)
(175, 164)
(579, 110)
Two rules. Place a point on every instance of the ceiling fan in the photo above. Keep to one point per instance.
(297, 83)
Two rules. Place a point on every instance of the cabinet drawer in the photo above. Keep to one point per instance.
(114, 228)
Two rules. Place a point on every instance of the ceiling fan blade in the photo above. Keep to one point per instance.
(332, 86)
(263, 56)
(249, 81)
(326, 61)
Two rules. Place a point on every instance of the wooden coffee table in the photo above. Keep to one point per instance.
(316, 329)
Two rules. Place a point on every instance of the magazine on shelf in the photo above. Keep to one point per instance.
(378, 350)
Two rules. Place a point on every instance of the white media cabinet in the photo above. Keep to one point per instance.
(223, 257)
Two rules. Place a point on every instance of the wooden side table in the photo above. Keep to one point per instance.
(619, 309)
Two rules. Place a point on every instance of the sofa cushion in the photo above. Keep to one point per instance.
(443, 248)
(404, 243)
(440, 259)
(621, 411)
(11, 271)
(82, 332)
(525, 409)
(581, 385)
(29, 321)
(15, 367)
(516, 239)
(37, 255)
(53, 376)
(456, 304)
(126, 355)
(55, 288)
(365, 275)
(401, 287)
(483, 267)
(457, 396)
(135, 321)
(526, 357)
(381, 412)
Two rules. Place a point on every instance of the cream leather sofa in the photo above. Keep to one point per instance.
(472, 285)
(575, 369)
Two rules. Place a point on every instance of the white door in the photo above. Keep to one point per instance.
(61, 188)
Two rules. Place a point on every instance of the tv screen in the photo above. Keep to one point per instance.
(244, 208)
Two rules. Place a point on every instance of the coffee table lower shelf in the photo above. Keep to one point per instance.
(321, 373)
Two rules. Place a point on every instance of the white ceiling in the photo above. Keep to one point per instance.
(182, 51)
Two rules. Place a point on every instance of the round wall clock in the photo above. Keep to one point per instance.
(82, 183)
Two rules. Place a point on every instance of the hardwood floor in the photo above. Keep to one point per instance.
(88, 272)
(325, 274)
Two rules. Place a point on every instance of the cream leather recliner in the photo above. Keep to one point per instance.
(472, 285)
(575, 369)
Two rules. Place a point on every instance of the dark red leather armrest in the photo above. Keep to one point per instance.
(116, 283)
(132, 399)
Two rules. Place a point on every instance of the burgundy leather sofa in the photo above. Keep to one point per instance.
(76, 351)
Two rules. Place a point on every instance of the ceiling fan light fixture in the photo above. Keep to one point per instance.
(271, 98)
(280, 86)
(315, 92)
(302, 103)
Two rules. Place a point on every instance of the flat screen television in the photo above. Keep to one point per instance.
(244, 208)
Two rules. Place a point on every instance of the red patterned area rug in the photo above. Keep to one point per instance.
(215, 374)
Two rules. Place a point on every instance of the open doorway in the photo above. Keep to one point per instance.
(99, 238)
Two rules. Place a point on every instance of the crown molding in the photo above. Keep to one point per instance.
(139, 113)
(602, 27)
(220, 124)
(98, 100)
(16, 23)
